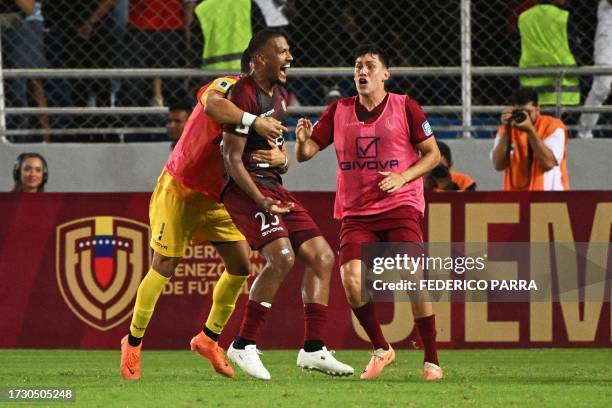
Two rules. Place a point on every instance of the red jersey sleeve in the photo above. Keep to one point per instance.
(420, 129)
(243, 96)
(323, 132)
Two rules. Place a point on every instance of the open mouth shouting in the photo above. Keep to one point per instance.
(283, 72)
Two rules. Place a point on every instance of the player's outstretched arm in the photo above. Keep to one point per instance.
(233, 148)
(224, 111)
(305, 147)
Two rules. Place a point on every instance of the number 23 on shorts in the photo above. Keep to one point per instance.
(264, 217)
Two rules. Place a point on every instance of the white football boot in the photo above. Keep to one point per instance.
(248, 360)
(324, 361)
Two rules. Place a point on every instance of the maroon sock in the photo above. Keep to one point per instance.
(366, 315)
(315, 317)
(426, 327)
(254, 317)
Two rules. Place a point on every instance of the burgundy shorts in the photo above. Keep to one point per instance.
(260, 227)
(402, 224)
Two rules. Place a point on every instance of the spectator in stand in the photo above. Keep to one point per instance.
(227, 30)
(332, 94)
(602, 55)
(517, 10)
(530, 148)
(180, 105)
(30, 173)
(545, 43)
(441, 178)
(82, 36)
(160, 32)
(119, 16)
(277, 13)
(179, 110)
(22, 31)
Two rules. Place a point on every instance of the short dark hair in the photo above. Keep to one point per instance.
(180, 100)
(374, 50)
(523, 96)
(261, 38)
(445, 151)
(245, 61)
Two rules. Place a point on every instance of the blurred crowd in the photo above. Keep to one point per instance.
(213, 33)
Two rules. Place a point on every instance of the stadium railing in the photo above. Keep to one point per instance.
(464, 125)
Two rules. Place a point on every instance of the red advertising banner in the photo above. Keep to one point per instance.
(57, 292)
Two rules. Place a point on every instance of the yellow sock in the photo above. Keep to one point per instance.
(148, 292)
(225, 295)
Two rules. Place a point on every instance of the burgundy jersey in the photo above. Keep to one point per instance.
(249, 97)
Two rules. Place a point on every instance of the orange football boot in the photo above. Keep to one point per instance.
(210, 350)
(380, 359)
(432, 372)
(130, 360)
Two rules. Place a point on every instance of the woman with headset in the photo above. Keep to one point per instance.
(30, 173)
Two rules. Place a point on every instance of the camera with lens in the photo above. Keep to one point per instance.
(518, 115)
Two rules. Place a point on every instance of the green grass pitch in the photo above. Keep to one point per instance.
(491, 378)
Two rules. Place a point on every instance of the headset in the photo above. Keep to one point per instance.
(19, 162)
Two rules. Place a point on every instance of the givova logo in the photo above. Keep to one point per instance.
(367, 148)
(100, 262)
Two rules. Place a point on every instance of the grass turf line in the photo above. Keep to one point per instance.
(541, 377)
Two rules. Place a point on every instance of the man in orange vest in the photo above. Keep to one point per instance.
(530, 148)
(441, 178)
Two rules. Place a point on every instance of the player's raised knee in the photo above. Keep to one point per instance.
(164, 265)
(283, 260)
(240, 269)
(324, 259)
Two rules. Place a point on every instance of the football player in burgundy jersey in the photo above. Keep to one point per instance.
(271, 219)
(185, 208)
(384, 145)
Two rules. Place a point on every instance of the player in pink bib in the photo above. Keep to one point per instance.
(384, 145)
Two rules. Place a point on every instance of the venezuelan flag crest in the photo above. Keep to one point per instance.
(100, 262)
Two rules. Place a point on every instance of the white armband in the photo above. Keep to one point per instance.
(248, 119)
(243, 129)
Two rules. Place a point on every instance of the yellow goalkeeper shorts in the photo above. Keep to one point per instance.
(180, 216)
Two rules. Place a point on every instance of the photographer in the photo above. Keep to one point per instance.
(530, 147)
(441, 178)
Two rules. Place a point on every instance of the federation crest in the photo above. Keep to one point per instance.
(99, 264)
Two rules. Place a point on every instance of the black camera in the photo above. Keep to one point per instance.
(518, 115)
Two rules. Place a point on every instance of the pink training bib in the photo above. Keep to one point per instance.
(364, 150)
